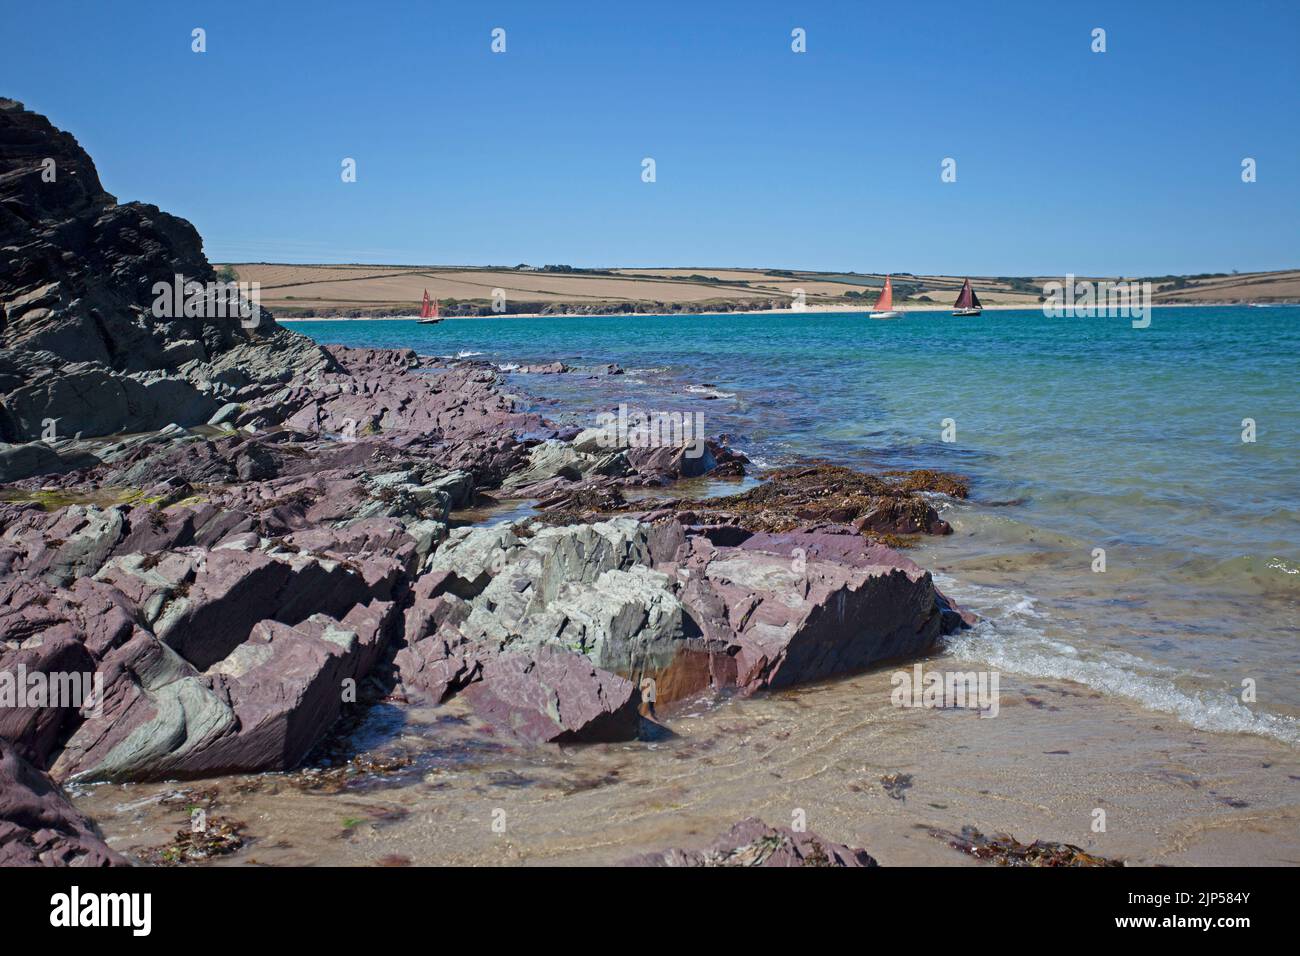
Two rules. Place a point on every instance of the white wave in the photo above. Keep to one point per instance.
(710, 391)
(466, 353)
(508, 366)
(1010, 637)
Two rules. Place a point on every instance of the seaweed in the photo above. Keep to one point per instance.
(217, 838)
(896, 784)
(1005, 850)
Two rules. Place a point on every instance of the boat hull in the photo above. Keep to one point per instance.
(967, 311)
(430, 321)
(885, 315)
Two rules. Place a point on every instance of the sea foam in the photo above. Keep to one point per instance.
(1011, 636)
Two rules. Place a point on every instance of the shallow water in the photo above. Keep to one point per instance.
(1120, 691)
(1055, 755)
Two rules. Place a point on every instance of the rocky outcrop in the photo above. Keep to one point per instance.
(801, 607)
(753, 843)
(639, 600)
(261, 707)
(83, 346)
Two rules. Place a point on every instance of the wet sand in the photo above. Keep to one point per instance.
(1055, 753)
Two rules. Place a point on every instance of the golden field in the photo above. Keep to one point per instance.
(362, 290)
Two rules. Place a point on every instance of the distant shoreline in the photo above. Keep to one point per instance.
(810, 310)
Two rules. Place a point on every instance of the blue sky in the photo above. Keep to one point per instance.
(1126, 162)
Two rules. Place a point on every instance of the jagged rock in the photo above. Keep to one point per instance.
(151, 528)
(795, 608)
(648, 452)
(680, 461)
(204, 604)
(626, 621)
(225, 413)
(551, 695)
(64, 666)
(80, 341)
(39, 458)
(96, 614)
(286, 685)
(547, 368)
(438, 661)
(474, 555)
(753, 843)
(78, 541)
(553, 459)
(260, 708)
(763, 611)
(458, 486)
(157, 710)
(38, 824)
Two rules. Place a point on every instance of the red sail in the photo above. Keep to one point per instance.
(967, 297)
(886, 301)
(424, 306)
(434, 313)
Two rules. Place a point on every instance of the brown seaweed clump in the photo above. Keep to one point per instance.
(927, 479)
(217, 838)
(1005, 850)
(886, 508)
(818, 493)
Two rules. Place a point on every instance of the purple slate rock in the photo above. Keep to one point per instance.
(368, 536)
(797, 608)
(97, 614)
(671, 462)
(751, 842)
(262, 708)
(160, 529)
(549, 368)
(36, 731)
(285, 685)
(39, 826)
(437, 661)
(204, 604)
(436, 667)
(553, 695)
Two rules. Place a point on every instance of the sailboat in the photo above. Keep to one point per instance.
(968, 303)
(885, 304)
(429, 311)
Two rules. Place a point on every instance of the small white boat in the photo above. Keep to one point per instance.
(885, 304)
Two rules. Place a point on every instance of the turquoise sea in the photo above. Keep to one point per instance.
(1079, 434)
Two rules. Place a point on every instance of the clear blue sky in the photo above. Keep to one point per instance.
(1126, 162)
